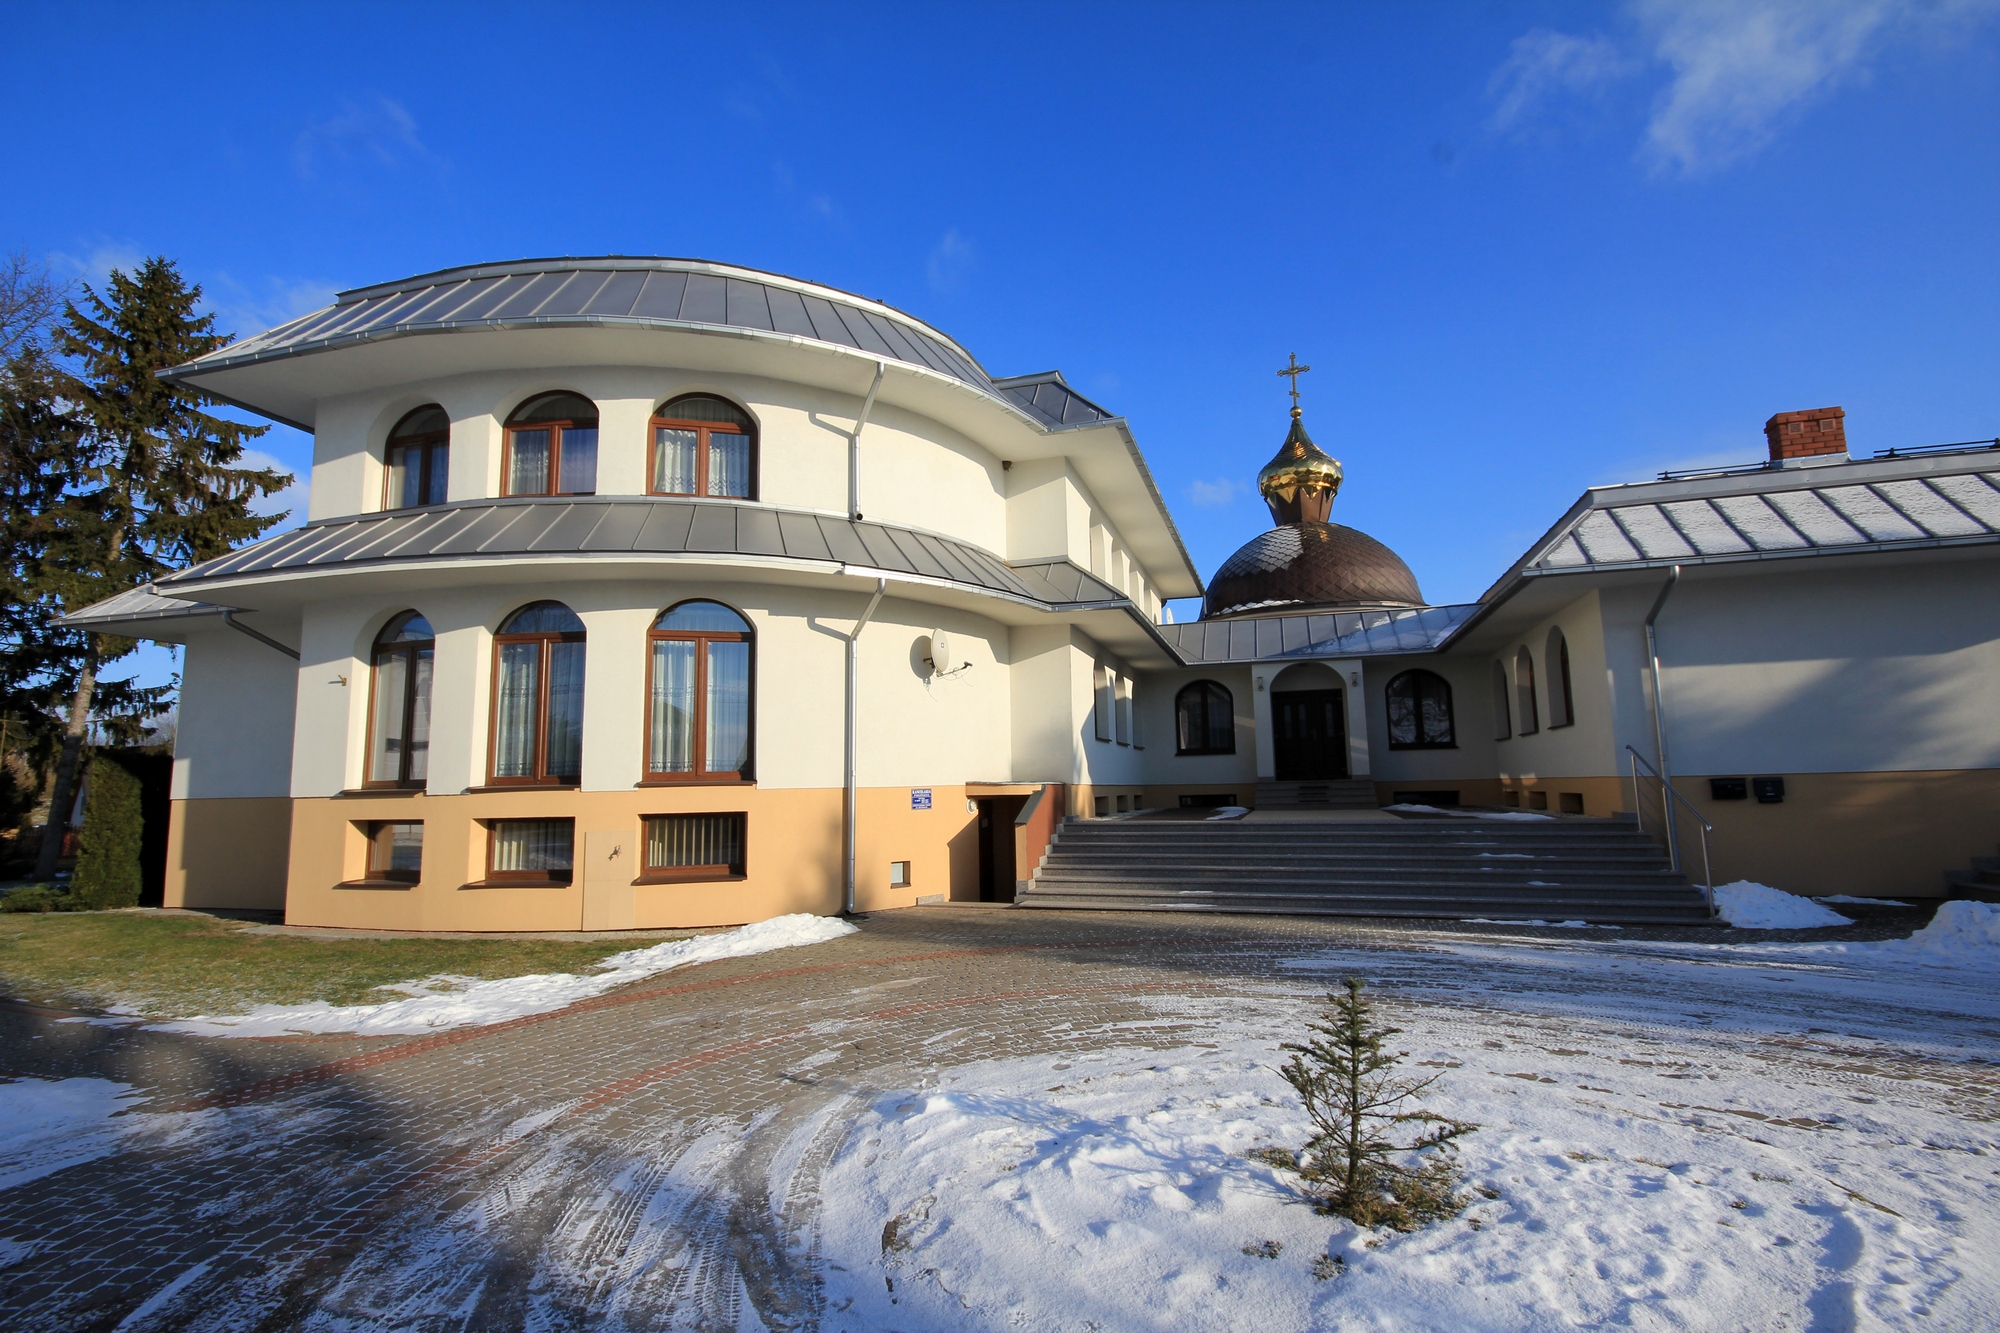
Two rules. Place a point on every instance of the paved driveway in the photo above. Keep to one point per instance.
(612, 1164)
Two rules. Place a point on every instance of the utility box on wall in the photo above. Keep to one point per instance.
(1770, 791)
(1729, 789)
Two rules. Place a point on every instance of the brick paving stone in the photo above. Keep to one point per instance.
(312, 1176)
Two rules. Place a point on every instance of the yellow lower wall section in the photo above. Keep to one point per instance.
(228, 852)
(1869, 834)
(793, 861)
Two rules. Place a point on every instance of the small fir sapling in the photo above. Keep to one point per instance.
(1355, 1165)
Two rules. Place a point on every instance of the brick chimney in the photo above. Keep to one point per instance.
(1813, 433)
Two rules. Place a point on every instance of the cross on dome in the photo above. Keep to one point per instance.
(1294, 370)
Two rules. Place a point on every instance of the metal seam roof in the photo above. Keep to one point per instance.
(671, 293)
(599, 527)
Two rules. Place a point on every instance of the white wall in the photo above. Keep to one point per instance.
(915, 729)
(1585, 748)
(234, 734)
(1163, 766)
(1866, 666)
(1472, 720)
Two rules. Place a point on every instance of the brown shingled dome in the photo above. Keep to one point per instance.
(1301, 566)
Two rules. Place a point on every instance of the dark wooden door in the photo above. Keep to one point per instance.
(996, 847)
(1310, 732)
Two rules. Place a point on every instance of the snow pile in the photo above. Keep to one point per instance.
(1230, 812)
(1518, 815)
(476, 1003)
(1849, 898)
(1962, 934)
(1751, 906)
(49, 1124)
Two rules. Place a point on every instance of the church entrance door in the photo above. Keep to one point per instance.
(1309, 728)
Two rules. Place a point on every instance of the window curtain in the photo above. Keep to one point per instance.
(728, 708)
(533, 844)
(528, 469)
(579, 461)
(440, 474)
(729, 465)
(405, 476)
(674, 460)
(420, 717)
(1434, 702)
(391, 681)
(670, 749)
(565, 758)
(520, 684)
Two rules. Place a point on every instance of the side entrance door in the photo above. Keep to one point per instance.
(1310, 735)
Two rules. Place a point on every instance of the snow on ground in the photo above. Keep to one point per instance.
(1625, 1176)
(1517, 815)
(429, 1008)
(1850, 898)
(47, 1125)
(1230, 812)
(1760, 907)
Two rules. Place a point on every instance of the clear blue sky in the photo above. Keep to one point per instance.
(1525, 247)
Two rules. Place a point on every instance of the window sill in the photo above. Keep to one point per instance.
(697, 780)
(704, 878)
(518, 884)
(350, 793)
(523, 786)
(404, 884)
(1199, 754)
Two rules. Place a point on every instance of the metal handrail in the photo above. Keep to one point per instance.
(1673, 839)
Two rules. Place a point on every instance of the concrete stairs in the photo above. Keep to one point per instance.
(1331, 794)
(1981, 883)
(1561, 870)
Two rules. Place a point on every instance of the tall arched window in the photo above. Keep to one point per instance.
(703, 445)
(1562, 704)
(1524, 693)
(1204, 719)
(399, 708)
(698, 695)
(552, 446)
(1502, 725)
(1420, 712)
(538, 697)
(419, 459)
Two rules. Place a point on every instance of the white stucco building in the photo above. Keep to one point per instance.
(646, 592)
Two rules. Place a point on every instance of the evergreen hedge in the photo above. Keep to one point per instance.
(108, 855)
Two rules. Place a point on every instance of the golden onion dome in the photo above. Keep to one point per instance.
(1301, 482)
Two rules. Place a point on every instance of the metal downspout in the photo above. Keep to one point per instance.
(1659, 717)
(854, 445)
(853, 744)
(229, 619)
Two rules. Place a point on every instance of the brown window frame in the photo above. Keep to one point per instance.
(380, 839)
(541, 776)
(708, 874)
(408, 648)
(555, 428)
(700, 777)
(1228, 698)
(527, 878)
(432, 442)
(664, 419)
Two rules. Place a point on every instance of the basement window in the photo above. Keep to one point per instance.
(680, 848)
(396, 852)
(899, 874)
(531, 851)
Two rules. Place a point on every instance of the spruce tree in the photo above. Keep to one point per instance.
(1376, 1156)
(157, 490)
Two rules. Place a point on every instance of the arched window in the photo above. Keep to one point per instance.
(419, 459)
(698, 695)
(552, 446)
(1562, 704)
(399, 708)
(1524, 693)
(1204, 719)
(1502, 726)
(703, 445)
(538, 697)
(1420, 712)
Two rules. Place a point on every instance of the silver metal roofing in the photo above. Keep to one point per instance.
(138, 604)
(1325, 634)
(610, 526)
(1829, 509)
(636, 291)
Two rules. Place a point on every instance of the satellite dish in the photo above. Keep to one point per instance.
(940, 652)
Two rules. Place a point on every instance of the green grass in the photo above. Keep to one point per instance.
(182, 966)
